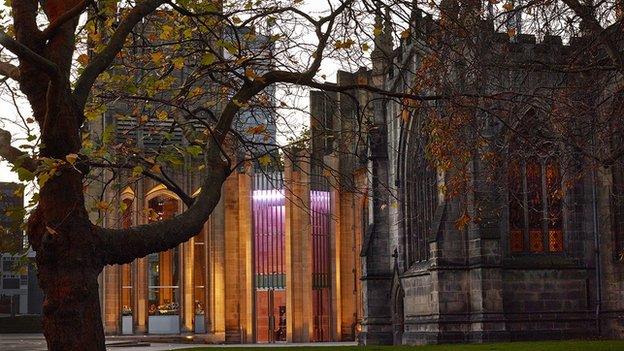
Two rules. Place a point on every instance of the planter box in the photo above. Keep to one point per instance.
(126, 325)
(164, 324)
(199, 324)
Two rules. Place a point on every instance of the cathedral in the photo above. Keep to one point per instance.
(531, 247)
(359, 238)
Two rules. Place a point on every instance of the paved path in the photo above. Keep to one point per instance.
(35, 342)
(22, 342)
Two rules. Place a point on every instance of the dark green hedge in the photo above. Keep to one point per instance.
(20, 324)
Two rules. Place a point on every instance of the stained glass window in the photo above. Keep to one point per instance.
(419, 183)
(617, 209)
(535, 206)
(269, 232)
(321, 272)
(617, 190)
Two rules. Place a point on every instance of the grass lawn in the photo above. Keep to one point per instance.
(515, 346)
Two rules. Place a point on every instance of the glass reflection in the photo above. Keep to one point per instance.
(163, 270)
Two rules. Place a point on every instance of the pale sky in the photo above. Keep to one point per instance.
(8, 110)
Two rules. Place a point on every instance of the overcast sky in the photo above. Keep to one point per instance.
(8, 110)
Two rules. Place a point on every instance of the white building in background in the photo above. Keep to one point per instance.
(13, 280)
(13, 286)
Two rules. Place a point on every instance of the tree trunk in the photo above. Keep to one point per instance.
(68, 268)
(68, 249)
(71, 310)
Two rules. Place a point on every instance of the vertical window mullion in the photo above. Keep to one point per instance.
(525, 206)
(422, 219)
(413, 214)
(407, 208)
(545, 237)
(616, 204)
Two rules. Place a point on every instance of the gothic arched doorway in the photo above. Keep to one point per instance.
(398, 320)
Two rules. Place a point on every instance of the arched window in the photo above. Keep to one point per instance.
(534, 193)
(200, 274)
(418, 189)
(163, 274)
(617, 173)
(617, 209)
(127, 305)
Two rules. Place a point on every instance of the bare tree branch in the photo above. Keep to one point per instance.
(122, 246)
(170, 185)
(604, 35)
(251, 88)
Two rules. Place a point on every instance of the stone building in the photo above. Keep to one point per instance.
(271, 264)
(539, 256)
(274, 263)
(13, 278)
(19, 288)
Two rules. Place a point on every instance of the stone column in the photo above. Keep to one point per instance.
(207, 279)
(612, 277)
(359, 203)
(377, 261)
(245, 252)
(217, 270)
(188, 286)
(299, 326)
(238, 315)
(349, 263)
(232, 310)
(112, 290)
(485, 253)
(110, 278)
(336, 244)
(141, 304)
(139, 275)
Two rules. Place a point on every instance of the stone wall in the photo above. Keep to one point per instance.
(548, 303)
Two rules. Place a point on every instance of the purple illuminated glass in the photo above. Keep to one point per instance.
(269, 210)
(321, 273)
(269, 213)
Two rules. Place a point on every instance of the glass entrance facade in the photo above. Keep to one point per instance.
(127, 302)
(231, 281)
(200, 291)
(321, 272)
(269, 207)
(163, 276)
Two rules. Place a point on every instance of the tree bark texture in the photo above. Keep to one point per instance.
(69, 250)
